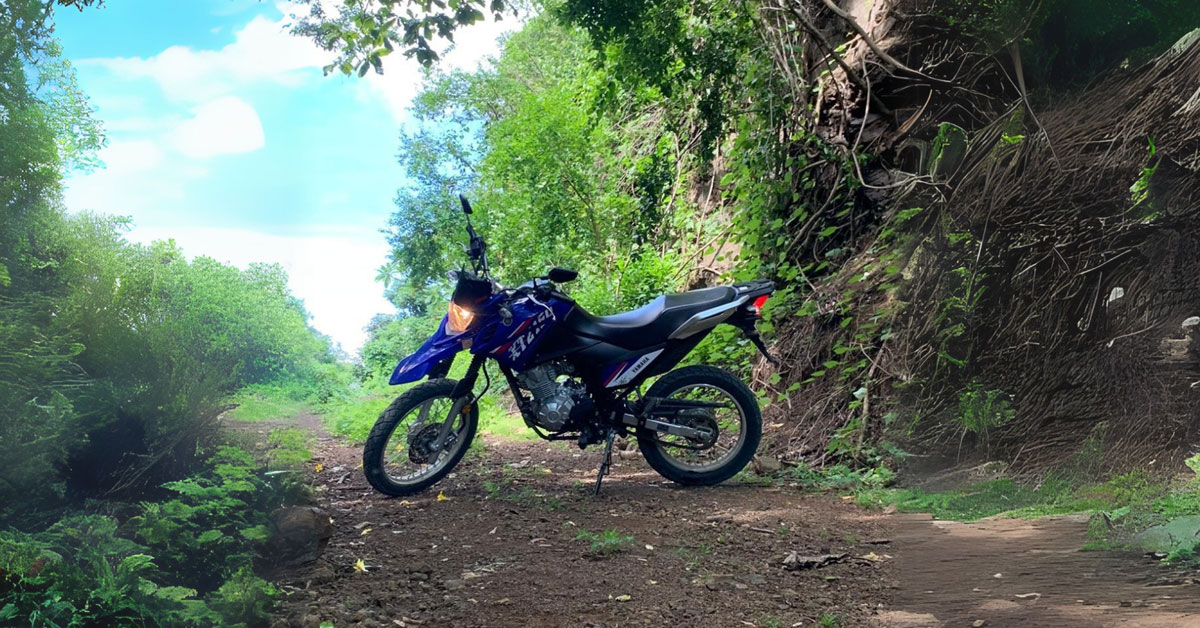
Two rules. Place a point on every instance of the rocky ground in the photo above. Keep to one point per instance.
(515, 538)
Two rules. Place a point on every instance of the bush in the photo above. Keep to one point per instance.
(218, 522)
(79, 572)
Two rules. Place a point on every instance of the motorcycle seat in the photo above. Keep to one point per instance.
(655, 322)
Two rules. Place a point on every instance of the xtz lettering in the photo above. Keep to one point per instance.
(526, 333)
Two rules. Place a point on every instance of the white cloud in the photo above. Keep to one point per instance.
(224, 126)
(262, 51)
(334, 275)
(131, 156)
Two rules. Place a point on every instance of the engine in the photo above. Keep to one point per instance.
(553, 400)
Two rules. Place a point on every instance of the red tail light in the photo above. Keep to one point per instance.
(758, 304)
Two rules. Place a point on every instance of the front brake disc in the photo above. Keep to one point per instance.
(420, 446)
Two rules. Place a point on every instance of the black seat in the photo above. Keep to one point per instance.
(652, 323)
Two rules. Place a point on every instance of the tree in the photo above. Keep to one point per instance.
(362, 33)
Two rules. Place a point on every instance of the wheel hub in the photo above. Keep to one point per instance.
(701, 421)
(421, 445)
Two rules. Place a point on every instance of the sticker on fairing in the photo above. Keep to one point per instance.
(626, 371)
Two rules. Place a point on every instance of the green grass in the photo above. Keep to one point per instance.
(262, 403)
(987, 499)
(606, 543)
(353, 416)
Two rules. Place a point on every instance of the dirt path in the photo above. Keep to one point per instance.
(1016, 572)
(511, 545)
(504, 549)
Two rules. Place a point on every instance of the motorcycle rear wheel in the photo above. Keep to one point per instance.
(705, 467)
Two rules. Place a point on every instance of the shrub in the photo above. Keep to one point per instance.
(217, 523)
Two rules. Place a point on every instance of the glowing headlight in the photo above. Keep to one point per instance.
(459, 319)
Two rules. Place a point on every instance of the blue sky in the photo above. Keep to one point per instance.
(224, 135)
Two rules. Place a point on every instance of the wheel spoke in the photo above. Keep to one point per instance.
(709, 407)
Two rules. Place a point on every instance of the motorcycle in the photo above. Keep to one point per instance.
(574, 376)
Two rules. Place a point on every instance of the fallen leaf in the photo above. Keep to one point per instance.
(624, 598)
(493, 530)
(405, 502)
(366, 531)
(359, 565)
(1026, 596)
(442, 497)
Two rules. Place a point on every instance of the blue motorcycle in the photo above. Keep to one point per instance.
(574, 376)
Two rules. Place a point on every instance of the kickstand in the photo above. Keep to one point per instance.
(608, 443)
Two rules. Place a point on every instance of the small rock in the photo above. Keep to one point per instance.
(419, 577)
(764, 465)
(978, 623)
(324, 575)
(300, 534)
(453, 585)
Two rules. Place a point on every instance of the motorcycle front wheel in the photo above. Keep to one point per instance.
(728, 407)
(419, 438)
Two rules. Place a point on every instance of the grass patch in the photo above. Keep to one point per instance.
(262, 403)
(353, 416)
(606, 543)
(524, 496)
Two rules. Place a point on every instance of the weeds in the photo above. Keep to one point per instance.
(606, 543)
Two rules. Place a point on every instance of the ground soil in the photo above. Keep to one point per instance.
(1017, 572)
(502, 546)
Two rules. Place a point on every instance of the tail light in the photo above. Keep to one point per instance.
(757, 305)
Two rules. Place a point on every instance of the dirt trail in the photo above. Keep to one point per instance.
(1016, 572)
(504, 549)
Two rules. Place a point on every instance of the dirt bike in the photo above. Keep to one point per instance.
(574, 376)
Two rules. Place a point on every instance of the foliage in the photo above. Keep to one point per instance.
(362, 33)
(216, 524)
(103, 341)
(980, 411)
(80, 572)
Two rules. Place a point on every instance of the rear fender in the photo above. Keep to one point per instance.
(438, 349)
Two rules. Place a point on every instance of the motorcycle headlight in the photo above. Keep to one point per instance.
(459, 318)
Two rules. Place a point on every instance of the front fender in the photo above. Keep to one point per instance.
(438, 348)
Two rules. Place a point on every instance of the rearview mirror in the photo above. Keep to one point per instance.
(466, 205)
(561, 275)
